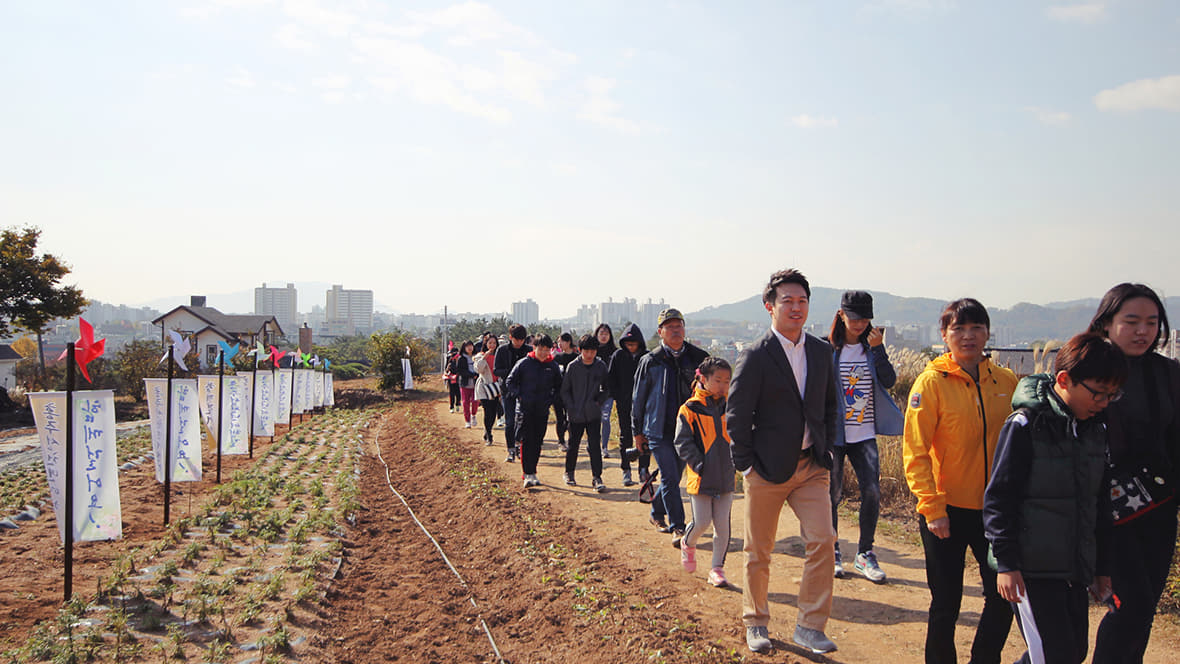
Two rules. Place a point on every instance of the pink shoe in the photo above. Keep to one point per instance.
(688, 558)
(717, 578)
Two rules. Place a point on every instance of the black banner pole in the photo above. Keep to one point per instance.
(220, 412)
(69, 516)
(168, 440)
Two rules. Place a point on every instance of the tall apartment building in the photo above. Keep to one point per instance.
(282, 303)
(348, 312)
(648, 313)
(525, 313)
(587, 318)
(614, 313)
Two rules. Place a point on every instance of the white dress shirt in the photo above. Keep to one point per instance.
(797, 357)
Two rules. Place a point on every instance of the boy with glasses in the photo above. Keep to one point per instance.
(1045, 511)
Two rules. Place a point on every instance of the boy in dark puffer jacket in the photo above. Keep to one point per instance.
(1046, 511)
(534, 382)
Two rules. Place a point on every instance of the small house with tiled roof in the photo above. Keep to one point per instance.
(8, 360)
(206, 326)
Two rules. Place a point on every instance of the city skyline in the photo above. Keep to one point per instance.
(473, 154)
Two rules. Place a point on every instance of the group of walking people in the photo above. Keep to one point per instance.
(1061, 484)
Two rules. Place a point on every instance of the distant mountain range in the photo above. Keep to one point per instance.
(1027, 322)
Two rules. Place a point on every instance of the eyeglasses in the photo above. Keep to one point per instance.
(1099, 396)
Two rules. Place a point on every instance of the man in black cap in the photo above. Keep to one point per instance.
(663, 382)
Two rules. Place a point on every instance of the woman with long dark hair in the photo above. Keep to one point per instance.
(1144, 451)
(487, 389)
(867, 411)
(606, 348)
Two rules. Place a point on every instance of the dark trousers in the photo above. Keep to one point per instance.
(532, 419)
(1055, 621)
(627, 437)
(1139, 573)
(456, 398)
(668, 502)
(944, 575)
(509, 420)
(593, 431)
(866, 463)
(563, 424)
(490, 408)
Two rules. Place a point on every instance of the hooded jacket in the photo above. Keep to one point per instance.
(704, 445)
(1045, 509)
(951, 427)
(533, 382)
(582, 391)
(621, 376)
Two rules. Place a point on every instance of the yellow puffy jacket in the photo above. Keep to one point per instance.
(951, 427)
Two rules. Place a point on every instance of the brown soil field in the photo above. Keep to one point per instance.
(552, 574)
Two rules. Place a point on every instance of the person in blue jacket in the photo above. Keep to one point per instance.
(867, 411)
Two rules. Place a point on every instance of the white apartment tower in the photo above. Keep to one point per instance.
(348, 312)
(526, 313)
(282, 303)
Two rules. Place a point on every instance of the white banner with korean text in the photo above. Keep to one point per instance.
(317, 381)
(283, 401)
(185, 461)
(329, 392)
(235, 403)
(264, 406)
(97, 511)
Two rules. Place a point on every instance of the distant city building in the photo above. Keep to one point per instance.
(98, 313)
(348, 312)
(526, 313)
(587, 318)
(616, 313)
(648, 313)
(282, 303)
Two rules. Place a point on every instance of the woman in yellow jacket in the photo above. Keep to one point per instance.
(956, 408)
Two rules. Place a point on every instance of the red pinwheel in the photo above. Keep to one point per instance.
(86, 348)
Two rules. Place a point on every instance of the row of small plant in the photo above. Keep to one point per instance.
(570, 576)
(26, 484)
(232, 576)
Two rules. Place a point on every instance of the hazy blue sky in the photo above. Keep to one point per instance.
(474, 154)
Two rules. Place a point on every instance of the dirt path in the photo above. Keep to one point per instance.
(869, 622)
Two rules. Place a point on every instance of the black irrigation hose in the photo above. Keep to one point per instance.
(462, 581)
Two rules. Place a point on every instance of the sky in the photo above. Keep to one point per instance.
(474, 154)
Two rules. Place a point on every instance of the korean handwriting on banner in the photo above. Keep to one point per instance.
(92, 432)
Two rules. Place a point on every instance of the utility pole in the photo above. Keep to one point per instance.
(443, 369)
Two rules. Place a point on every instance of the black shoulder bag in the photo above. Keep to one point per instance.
(1139, 490)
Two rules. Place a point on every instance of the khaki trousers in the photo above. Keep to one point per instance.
(807, 494)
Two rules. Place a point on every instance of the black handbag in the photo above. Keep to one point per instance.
(1136, 492)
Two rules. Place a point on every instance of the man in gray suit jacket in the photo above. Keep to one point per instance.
(781, 416)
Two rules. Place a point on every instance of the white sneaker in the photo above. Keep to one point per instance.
(467, 424)
(839, 565)
(866, 563)
(531, 481)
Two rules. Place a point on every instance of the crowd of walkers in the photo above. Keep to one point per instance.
(1061, 484)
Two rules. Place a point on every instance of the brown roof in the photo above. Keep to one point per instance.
(228, 325)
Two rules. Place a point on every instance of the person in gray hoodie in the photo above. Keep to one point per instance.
(583, 393)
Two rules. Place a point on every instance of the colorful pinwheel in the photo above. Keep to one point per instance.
(86, 348)
(179, 348)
